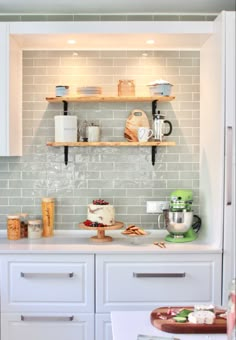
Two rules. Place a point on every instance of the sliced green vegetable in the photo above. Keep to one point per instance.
(184, 313)
(180, 319)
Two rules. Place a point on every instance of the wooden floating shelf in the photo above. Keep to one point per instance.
(83, 144)
(87, 99)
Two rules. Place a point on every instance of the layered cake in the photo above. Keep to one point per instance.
(101, 212)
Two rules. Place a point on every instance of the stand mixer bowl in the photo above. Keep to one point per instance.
(178, 222)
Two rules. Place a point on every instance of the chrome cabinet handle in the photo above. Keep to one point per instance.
(159, 274)
(229, 164)
(46, 318)
(46, 275)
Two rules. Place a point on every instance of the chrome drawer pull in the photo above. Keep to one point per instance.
(46, 275)
(159, 274)
(46, 318)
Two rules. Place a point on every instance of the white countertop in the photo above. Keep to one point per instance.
(78, 241)
(128, 325)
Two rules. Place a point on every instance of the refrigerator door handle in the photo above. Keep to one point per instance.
(229, 164)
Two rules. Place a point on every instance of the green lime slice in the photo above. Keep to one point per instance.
(180, 319)
(184, 313)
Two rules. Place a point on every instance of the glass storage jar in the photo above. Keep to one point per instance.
(34, 229)
(48, 216)
(13, 227)
(231, 310)
(126, 88)
(23, 225)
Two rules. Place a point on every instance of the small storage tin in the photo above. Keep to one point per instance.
(62, 90)
(35, 229)
(13, 227)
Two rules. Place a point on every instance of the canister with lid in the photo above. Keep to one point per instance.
(65, 128)
(48, 216)
(13, 227)
(126, 88)
(34, 229)
(62, 90)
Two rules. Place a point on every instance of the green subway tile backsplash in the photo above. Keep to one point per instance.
(122, 175)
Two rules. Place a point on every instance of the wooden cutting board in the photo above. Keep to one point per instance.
(171, 326)
(136, 119)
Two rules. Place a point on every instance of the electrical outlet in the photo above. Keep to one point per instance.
(156, 207)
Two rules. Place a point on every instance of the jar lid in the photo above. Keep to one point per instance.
(48, 199)
(126, 81)
(63, 86)
(13, 217)
(23, 215)
(35, 222)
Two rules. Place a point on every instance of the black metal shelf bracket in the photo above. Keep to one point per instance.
(154, 148)
(154, 151)
(66, 148)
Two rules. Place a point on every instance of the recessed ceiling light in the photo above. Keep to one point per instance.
(71, 41)
(150, 41)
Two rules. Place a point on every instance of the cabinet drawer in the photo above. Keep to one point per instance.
(50, 284)
(17, 326)
(143, 282)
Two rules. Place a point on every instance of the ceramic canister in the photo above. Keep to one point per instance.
(93, 133)
(62, 90)
(65, 128)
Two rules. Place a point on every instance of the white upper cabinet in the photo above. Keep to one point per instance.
(217, 109)
(10, 89)
(129, 35)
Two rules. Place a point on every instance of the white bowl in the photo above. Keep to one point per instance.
(136, 239)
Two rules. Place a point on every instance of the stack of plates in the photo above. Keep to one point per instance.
(89, 90)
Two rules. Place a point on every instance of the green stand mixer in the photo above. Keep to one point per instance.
(179, 219)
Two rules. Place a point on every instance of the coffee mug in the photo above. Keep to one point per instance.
(144, 134)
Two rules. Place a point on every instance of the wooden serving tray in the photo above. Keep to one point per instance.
(171, 326)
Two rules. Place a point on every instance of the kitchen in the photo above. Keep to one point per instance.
(123, 176)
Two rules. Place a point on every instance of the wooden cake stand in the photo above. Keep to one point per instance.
(101, 237)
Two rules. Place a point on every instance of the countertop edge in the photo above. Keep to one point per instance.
(79, 242)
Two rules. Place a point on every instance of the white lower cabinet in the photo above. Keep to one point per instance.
(103, 328)
(51, 296)
(144, 282)
(47, 297)
(44, 326)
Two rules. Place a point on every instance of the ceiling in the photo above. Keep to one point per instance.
(114, 7)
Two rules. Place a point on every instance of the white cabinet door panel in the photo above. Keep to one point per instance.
(49, 285)
(11, 94)
(47, 326)
(143, 282)
(103, 328)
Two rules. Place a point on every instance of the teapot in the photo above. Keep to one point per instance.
(159, 123)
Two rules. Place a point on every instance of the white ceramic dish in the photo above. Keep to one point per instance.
(136, 239)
